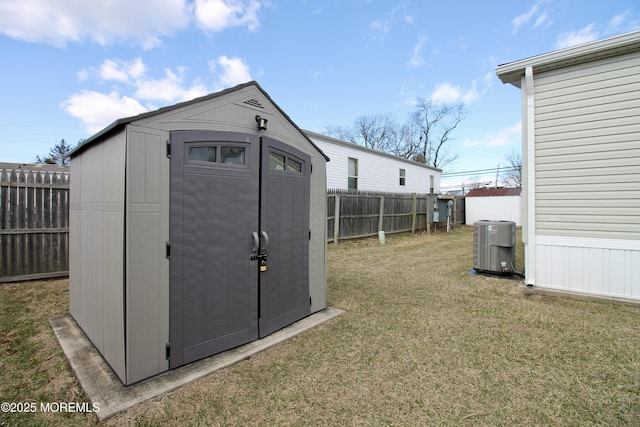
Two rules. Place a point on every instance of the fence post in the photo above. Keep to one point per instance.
(381, 215)
(413, 213)
(428, 208)
(336, 219)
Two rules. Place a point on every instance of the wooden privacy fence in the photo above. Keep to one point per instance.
(352, 215)
(34, 221)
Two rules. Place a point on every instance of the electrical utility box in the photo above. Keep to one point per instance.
(494, 246)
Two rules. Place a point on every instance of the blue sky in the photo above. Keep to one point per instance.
(71, 67)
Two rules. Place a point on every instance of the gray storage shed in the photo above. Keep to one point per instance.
(194, 229)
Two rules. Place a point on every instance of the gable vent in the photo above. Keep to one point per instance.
(254, 103)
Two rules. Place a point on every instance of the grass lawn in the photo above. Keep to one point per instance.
(421, 343)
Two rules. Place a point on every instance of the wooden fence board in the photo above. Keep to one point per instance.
(34, 221)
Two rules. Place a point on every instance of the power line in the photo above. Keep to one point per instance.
(481, 171)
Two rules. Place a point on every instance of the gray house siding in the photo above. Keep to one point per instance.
(587, 152)
(581, 166)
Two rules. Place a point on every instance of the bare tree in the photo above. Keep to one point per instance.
(406, 142)
(436, 123)
(375, 131)
(340, 132)
(422, 138)
(512, 174)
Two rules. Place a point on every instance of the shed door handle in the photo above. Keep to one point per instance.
(265, 237)
(256, 242)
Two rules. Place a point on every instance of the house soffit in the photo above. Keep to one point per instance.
(512, 72)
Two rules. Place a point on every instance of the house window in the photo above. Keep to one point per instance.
(431, 184)
(353, 174)
(403, 174)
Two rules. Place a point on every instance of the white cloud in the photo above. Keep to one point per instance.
(143, 22)
(170, 88)
(504, 137)
(573, 38)
(97, 110)
(83, 75)
(524, 18)
(623, 22)
(416, 59)
(122, 71)
(234, 71)
(542, 21)
(479, 87)
(617, 21)
(447, 93)
(383, 27)
(535, 14)
(217, 15)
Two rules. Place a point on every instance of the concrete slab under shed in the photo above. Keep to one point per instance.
(103, 387)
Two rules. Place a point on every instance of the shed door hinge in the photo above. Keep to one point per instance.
(168, 148)
(309, 234)
(168, 250)
(167, 351)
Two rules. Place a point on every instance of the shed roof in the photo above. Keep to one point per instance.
(494, 192)
(120, 123)
(613, 46)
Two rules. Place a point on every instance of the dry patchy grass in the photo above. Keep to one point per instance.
(421, 343)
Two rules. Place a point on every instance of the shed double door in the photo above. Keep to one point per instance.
(239, 241)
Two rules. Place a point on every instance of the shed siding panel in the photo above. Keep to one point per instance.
(587, 150)
(147, 269)
(97, 236)
(318, 225)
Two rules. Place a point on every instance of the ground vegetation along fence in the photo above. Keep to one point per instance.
(360, 214)
(34, 221)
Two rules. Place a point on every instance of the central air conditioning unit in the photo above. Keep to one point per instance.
(494, 246)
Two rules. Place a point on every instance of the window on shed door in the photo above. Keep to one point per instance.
(353, 174)
(403, 174)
